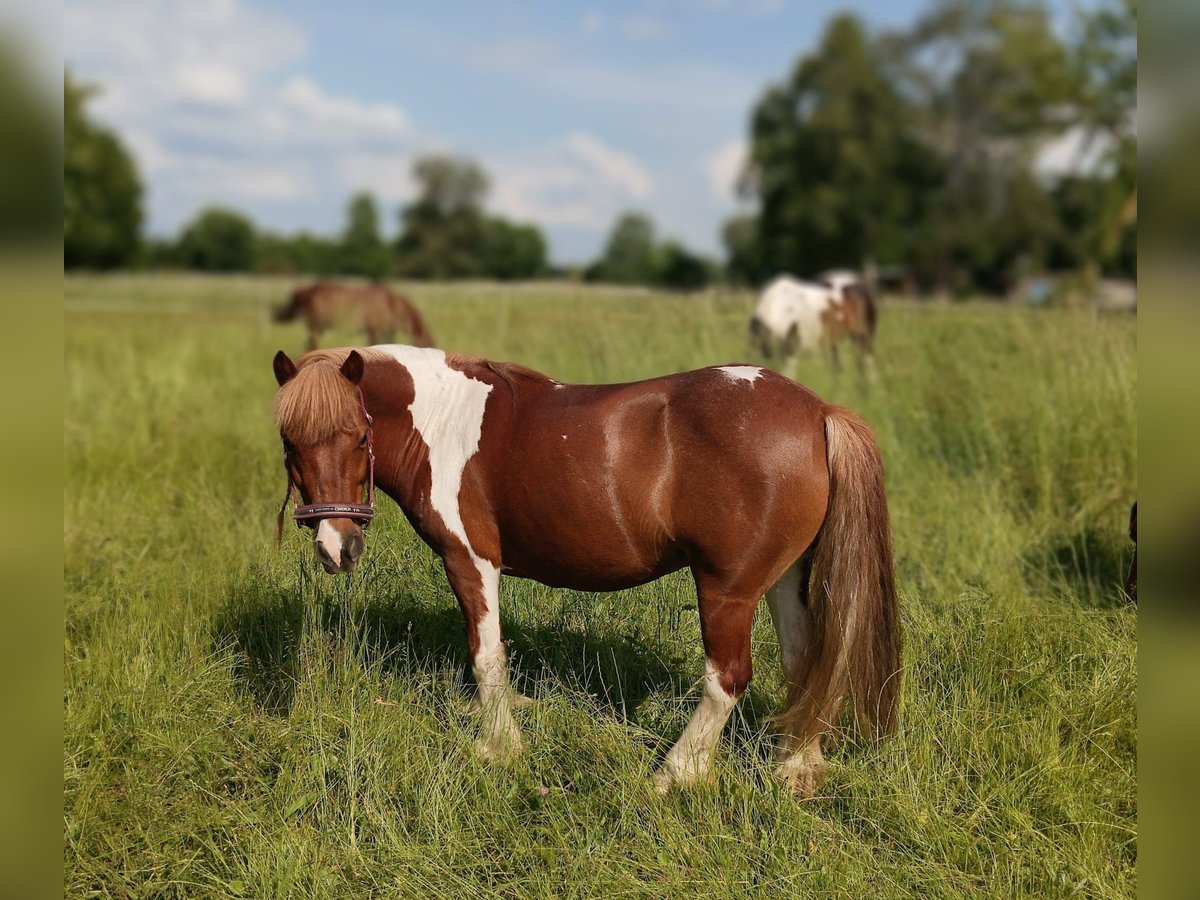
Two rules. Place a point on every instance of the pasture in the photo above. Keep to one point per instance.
(237, 723)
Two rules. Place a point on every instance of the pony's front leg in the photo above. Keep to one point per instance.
(476, 584)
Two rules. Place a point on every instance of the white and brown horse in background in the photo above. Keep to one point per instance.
(794, 317)
(739, 474)
(373, 308)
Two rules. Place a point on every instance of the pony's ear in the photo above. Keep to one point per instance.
(352, 368)
(285, 369)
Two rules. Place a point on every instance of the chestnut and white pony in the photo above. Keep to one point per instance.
(796, 317)
(739, 474)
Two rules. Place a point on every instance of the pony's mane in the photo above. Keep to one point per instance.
(319, 402)
(509, 373)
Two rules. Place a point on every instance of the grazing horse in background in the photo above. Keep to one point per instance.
(374, 308)
(743, 476)
(794, 317)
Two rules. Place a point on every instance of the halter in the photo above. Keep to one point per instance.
(311, 513)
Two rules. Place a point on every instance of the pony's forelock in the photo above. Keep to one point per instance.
(318, 402)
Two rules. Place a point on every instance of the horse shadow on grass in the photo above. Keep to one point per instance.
(1090, 565)
(262, 629)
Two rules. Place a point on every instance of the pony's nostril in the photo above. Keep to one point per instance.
(352, 550)
(323, 554)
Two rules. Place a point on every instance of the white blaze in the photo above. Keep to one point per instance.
(329, 538)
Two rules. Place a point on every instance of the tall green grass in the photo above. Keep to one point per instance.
(238, 724)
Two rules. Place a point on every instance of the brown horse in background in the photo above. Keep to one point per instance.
(739, 474)
(374, 308)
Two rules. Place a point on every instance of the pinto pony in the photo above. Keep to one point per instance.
(374, 308)
(743, 476)
(794, 317)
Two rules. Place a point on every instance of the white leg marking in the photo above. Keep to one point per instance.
(692, 754)
(499, 738)
(801, 769)
(329, 539)
(447, 409)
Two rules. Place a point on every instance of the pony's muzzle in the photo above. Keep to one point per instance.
(339, 544)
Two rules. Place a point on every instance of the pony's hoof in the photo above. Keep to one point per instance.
(519, 701)
(498, 751)
(668, 777)
(663, 782)
(801, 779)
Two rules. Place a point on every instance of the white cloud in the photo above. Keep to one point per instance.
(212, 83)
(211, 102)
(723, 168)
(546, 65)
(593, 22)
(389, 176)
(578, 181)
(340, 119)
(617, 169)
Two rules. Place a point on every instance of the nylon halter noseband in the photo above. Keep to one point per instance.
(312, 513)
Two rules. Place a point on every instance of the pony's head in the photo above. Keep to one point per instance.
(327, 450)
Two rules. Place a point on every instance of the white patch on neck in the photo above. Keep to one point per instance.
(447, 411)
(741, 373)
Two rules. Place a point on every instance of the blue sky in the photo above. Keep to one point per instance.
(578, 111)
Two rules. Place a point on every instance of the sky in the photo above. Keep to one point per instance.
(577, 111)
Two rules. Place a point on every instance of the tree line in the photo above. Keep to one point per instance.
(444, 233)
(919, 149)
(914, 150)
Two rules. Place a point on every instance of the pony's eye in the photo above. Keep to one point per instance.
(362, 441)
(288, 447)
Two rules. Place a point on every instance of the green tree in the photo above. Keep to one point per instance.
(512, 250)
(989, 82)
(361, 250)
(1106, 61)
(837, 172)
(218, 240)
(629, 254)
(744, 263)
(102, 194)
(678, 268)
(297, 254)
(443, 232)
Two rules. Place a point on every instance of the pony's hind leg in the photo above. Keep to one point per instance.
(725, 625)
(800, 767)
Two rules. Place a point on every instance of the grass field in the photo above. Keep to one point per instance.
(239, 724)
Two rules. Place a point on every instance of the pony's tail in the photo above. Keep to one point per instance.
(855, 638)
